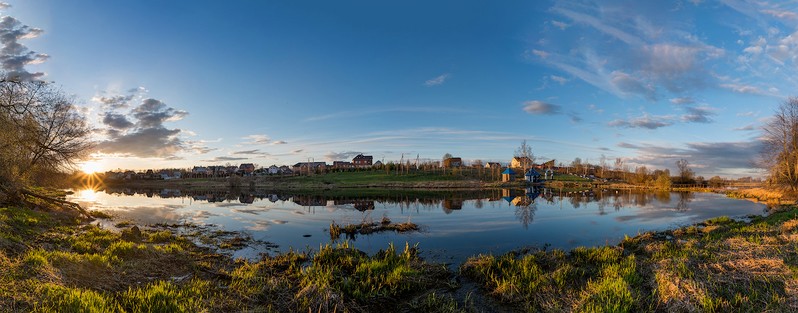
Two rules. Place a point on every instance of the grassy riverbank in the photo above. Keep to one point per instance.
(54, 262)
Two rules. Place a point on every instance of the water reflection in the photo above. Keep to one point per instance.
(453, 223)
(524, 201)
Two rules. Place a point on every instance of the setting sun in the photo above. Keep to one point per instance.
(91, 167)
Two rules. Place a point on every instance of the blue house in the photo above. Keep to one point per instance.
(508, 175)
(532, 176)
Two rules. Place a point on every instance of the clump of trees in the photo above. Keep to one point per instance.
(780, 152)
(43, 134)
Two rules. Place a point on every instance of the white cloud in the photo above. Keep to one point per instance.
(14, 56)
(782, 14)
(559, 25)
(437, 80)
(646, 121)
(141, 132)
(601, 25)
(540, 53)
(748, 127)
(742, 88)
(561, 80)
(683, 100)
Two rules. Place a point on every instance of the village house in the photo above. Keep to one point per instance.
(306, 167)
(170, 174)
(361, 161)
(343, 165)
(452, 162)
(246, 169)
(273, 170)
(493, 165)
(532, 176)
(200, 171)
(546, 165)
(520, 162)
(285, 170)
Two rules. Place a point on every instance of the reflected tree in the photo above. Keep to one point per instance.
(526, 214)
(684, 201)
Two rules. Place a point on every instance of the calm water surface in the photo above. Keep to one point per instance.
(454, 227)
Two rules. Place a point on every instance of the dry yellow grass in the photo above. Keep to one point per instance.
(769, 196)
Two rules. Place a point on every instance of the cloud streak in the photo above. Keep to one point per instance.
(541, 108)
(708, 158)
(645, 121)
(439, 80)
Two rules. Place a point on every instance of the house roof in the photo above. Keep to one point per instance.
(508, 171)
(532, 172)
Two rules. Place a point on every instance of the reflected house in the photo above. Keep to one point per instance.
(508, 175)
(170, 193)
(309, 201)
(363, 205)
(533, 193)
(360, 205)
(521, 201)
(450, 205)
(246, 198)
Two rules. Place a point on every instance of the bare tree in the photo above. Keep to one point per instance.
(43, 133)
(524, 152)
(780, 153)
(685, 172)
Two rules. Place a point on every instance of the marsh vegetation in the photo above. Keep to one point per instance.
(56, 263)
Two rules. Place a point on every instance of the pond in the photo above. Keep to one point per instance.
(454, 225)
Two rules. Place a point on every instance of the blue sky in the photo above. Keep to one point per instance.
(179, 83)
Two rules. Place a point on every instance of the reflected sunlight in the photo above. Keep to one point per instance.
(87, 195)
